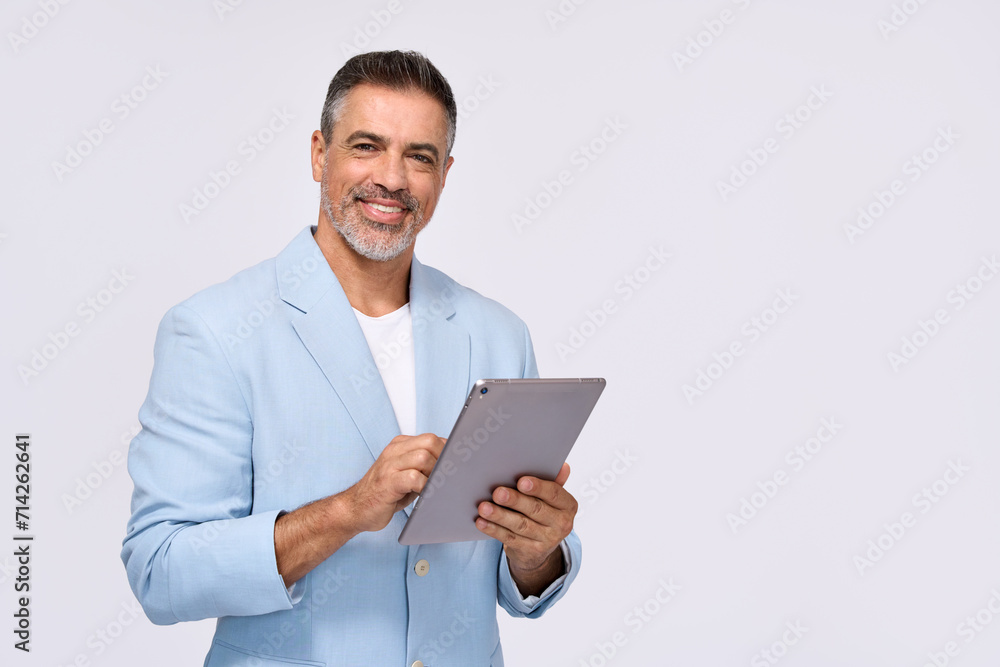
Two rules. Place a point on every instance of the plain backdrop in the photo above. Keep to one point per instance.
(822, 177)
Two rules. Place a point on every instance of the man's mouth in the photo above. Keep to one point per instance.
(385, 209)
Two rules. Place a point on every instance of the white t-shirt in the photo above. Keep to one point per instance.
(390, 339)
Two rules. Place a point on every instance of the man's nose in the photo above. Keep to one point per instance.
(390, 172)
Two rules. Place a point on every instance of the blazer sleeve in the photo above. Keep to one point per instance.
(193, 549)
(507, 594)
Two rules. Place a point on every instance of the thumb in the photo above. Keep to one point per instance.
(563, 475)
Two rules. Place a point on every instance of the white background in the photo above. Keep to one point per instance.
(676, 130)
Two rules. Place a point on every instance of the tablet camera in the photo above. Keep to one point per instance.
(483, 390)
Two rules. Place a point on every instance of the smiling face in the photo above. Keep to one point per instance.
(383, 170)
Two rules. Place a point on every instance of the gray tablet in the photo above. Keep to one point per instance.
(507, 428)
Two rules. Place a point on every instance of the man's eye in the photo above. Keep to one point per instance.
(423, 158)
(364, 147)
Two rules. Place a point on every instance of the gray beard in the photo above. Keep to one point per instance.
(370, 239)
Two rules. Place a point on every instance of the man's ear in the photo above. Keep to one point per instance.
(447, 167)
(317, 154)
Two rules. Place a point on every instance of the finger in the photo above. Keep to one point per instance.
(411, 469)
(508, 537)
(563, 475)
(534, 508)
(550, 492)
(516, 523)
(405, 483)
(421, 460)
(407, 443)
(431, 443)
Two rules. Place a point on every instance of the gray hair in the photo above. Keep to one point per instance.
(396, 70)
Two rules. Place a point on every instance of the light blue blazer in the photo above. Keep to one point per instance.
(264, 396)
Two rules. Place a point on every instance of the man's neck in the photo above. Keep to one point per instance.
(374, 288)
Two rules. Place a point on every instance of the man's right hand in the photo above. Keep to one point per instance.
(394, 480)
(306, 537)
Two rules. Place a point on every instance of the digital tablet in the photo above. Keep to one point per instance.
(507, 429)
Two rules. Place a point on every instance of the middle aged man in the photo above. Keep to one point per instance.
(277, 460)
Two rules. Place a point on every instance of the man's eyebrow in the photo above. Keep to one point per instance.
(430, 148)
(370, 136)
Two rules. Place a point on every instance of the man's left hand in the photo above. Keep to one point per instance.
(531, 521)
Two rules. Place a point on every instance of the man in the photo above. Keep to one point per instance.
(277, 461)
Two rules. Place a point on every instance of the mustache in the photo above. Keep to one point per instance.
(401, 197)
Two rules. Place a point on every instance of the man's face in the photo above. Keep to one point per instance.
(384, 168)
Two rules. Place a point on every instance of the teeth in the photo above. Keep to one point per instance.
(384, 209)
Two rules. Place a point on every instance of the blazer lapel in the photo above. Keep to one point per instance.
(330, 332)
(441, 351)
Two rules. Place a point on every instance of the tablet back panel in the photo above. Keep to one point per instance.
(507, 428)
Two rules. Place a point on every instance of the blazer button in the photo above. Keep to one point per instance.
(417, 663)
(421, 568)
